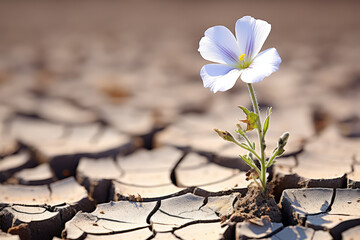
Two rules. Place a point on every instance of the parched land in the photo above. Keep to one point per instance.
(106, 131)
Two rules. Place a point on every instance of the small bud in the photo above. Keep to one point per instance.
(283, 139)
(225, 135)
(282, 142)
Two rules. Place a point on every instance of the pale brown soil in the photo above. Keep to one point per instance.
(256, 204)
(83, 84)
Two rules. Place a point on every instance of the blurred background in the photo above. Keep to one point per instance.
(134, 66)
(109, 92)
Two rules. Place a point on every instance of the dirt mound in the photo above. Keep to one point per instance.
(256, 204)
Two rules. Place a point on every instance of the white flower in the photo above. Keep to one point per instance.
(237, 57)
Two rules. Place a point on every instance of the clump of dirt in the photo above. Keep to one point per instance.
(256, 204)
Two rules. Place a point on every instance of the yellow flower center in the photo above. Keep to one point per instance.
(242, 62)
(242, 56)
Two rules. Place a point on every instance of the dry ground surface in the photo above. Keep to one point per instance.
(106, 130)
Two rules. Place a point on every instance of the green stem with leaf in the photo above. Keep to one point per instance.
(253, 121)
(260, 135)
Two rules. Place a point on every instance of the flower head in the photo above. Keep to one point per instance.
(237, 57)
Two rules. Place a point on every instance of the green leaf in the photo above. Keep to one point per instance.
(272, 164)
(266, 123)
(280, 151)
(245, 110)
(239, 130)
(251, 163)
(248, 161)
(245, 146)
(251, 120)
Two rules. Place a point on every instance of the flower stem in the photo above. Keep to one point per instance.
(248, 141)
(272, 158)
(247, 148)
(260, 135)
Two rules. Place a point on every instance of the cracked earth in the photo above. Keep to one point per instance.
(106, 131)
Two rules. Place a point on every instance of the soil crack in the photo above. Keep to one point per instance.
(156, 208)
(173, 177)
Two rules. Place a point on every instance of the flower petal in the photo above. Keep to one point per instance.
(251, 34)
(219, 45)
(263, 65)
(219, 77)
